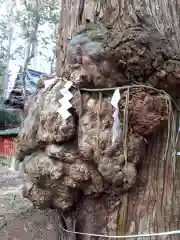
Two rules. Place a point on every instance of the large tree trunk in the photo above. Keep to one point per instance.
(152, 205)
(163, 15)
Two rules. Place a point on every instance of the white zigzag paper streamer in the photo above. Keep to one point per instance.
(116, 127)
(64, 101)
(178, 153)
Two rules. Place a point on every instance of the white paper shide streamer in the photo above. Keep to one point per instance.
(64, 101)
(116, 125)
(178, 153)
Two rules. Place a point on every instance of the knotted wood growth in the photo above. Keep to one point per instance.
(74, 161)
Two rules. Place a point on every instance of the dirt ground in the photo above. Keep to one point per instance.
(18, 219)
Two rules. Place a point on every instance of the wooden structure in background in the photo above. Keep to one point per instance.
(7, 142)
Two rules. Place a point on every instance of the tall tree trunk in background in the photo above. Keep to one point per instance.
(52, 61)
(29, 54)
(31, 44)
(53, 57)
(153, 205)
(8, 57)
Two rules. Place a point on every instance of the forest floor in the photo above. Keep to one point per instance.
(18, 219)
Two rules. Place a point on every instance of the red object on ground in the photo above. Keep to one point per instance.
(6, 146)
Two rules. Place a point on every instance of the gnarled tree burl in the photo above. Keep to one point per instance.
(100, 186)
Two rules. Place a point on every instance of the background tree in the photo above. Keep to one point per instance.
(31, 18)
(50, 16)
(3, 49)
(22, 29)
(6, 30)
(10, 23)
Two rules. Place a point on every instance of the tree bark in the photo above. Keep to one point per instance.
(151, 206)
(162, 15)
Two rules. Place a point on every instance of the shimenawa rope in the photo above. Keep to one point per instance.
(161, 234)
(169, 109)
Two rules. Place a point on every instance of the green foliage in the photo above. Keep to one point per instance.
(3, 50)
(39, 14)
(2, 68)
(29, 18)
(9, 118)
(26, 19)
